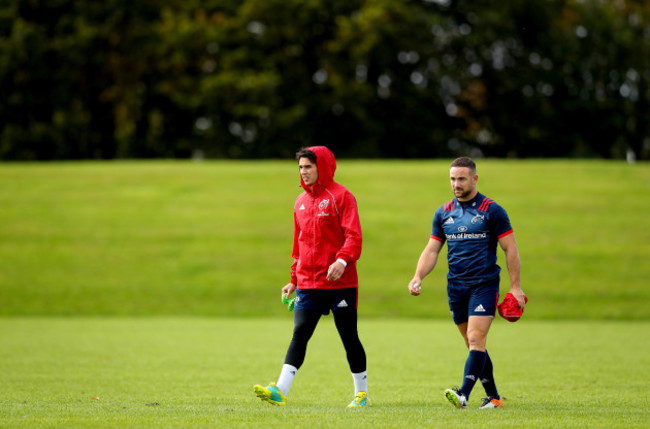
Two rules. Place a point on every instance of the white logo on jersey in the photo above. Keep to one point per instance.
(462, 228)
(323, 204)
(342, 304)
(302, 207)
(478, 219)
(479, 309)
(449, 221)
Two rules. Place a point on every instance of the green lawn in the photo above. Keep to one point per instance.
(214, 238)
(196, 372)
(162, 247)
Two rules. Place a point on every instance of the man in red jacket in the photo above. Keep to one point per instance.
(326, 246)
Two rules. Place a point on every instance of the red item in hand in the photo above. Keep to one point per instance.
(509, 308)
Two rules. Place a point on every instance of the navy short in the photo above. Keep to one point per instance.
(475, 300)
(324, 300)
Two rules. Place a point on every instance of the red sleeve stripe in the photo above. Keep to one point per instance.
(506, 233)
(485, 204)
(438, 238)
(449, 206)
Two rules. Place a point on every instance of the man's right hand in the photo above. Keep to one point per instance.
(415, 287)
(288, 289)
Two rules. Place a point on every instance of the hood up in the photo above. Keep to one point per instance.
(326, 164)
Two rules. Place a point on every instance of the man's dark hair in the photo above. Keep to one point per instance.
(464, 161)
(306, 153)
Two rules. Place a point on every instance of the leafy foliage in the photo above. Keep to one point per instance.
(369, 78)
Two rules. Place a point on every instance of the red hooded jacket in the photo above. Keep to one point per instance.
(326, 228)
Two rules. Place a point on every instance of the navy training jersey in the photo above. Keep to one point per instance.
(471, 230)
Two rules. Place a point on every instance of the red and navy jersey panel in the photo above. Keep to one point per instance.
(471, 230)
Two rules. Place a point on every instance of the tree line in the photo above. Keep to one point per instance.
(368, 78)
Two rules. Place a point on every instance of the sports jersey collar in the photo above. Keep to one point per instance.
(462, 205)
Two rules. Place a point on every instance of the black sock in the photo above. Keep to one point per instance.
(487, 378)
(473, 368)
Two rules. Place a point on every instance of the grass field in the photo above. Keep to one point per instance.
(199, 372)
(112, 273)
(214, 238)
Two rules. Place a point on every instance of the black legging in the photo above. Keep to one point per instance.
(305, 322)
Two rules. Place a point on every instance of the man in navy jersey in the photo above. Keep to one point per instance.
(472, 225)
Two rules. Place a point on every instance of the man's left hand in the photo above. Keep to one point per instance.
(519, 295)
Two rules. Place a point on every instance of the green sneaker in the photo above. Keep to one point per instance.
(456, 398)
(361, 400)
(271, 394)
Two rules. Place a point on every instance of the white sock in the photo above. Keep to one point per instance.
(360, 382)
(286, 378)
